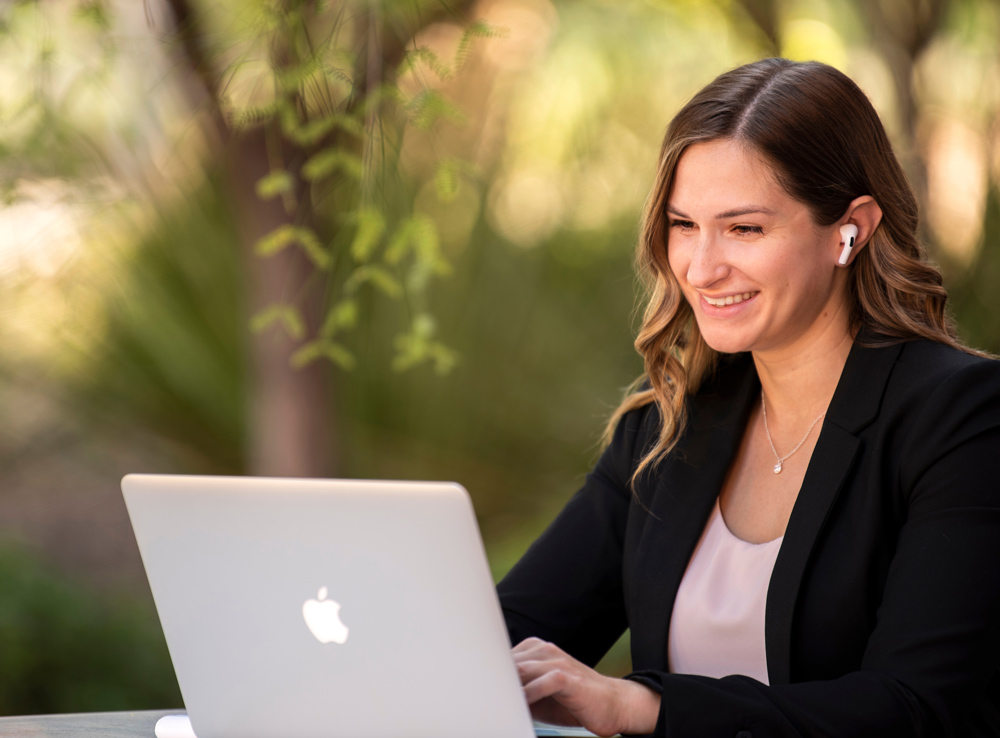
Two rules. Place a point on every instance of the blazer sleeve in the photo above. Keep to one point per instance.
(936, 644)
(567, 588)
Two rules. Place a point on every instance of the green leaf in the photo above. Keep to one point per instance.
(321, 349)
(400, 242)
(419, 236)
(448, 176)
(427, 107)
(415, 233)
(314, 249)
(340, 74)
(423, 325)
(446, 180)
(378, 276)
(287, 315)
(285, 235)
(278, 182)
(275, 241)
(343, 315)
(373, 100)
(443, 357)
(479, 29)
(371, 226)
(248, 117)
(349, 124)
(330, 160)
(291, 78)
(288, 116)
(315, 130)
(417, 346)
(425, 241)
(424, 54)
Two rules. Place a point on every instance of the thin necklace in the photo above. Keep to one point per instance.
(782, 459)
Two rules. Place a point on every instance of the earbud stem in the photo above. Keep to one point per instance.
(846, 253)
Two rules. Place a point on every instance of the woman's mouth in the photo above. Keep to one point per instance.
(729, 299)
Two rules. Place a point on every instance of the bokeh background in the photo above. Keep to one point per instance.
(385, 239)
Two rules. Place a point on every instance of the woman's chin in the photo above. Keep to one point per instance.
(727, 342)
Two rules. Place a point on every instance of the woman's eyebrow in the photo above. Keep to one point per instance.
(729, 213)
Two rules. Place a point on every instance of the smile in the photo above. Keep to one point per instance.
(729, 299)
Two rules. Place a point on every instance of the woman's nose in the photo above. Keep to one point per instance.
(707, 265)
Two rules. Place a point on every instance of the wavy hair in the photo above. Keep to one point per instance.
(826, 146)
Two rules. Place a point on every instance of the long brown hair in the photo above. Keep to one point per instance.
(827, 146)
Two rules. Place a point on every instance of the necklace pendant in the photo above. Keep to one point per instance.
(777, 468)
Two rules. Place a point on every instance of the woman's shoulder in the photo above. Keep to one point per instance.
(927, 369)
(940, 400)
(940, 358)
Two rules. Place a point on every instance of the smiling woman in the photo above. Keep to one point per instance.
(796, 513)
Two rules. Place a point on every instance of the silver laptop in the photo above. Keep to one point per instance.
(308, 608)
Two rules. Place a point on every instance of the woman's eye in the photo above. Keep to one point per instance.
(682, 224)
(744, 230)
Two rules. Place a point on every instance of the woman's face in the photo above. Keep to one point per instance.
(758, 273)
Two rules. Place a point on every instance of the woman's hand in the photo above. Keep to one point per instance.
(561, 690)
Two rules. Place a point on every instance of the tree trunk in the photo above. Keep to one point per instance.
(292, 425)
(291, 430)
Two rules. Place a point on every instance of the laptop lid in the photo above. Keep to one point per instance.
(310, 608)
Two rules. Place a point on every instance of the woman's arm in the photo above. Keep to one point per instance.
(567, 588)
(563, 691)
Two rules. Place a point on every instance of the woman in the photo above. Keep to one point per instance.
(798, 513)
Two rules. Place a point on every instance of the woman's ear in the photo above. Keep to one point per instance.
(865, 215)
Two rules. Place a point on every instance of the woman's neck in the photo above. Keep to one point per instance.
(799, 380)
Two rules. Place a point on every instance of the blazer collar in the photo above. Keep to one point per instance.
(859, 393)
(691, 478)
(855, 404)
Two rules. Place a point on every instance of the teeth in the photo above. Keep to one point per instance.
(730, 299)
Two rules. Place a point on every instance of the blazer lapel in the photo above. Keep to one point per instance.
(689, 481)
(855, 404)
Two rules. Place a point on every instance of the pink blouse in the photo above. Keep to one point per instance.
(717, 626)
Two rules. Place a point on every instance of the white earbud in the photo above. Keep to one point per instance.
(848, 233)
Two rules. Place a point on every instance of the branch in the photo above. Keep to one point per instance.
(186, 30)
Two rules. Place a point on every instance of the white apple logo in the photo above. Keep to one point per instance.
(323, 618)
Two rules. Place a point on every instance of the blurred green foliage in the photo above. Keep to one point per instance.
(170, 353)
(64, 648)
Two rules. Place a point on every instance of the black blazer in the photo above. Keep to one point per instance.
(883, 609)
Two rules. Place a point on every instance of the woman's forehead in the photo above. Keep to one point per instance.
(725, 177)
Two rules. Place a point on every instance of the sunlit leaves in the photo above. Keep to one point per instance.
(418, 345)
(443, 71)
(479, 29)
(418, 237)
(417, 233)
(291, 78)
(448, 176)
(252, 115)
(328, 161)
(342, 316)
(376, 97)
(323, 349)
(376, 275)
(286, 235)
(428, 57)
(429, 106)
(371, 226)
(313, 131)
(278, 182)
(287, 316)
(325, 140)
